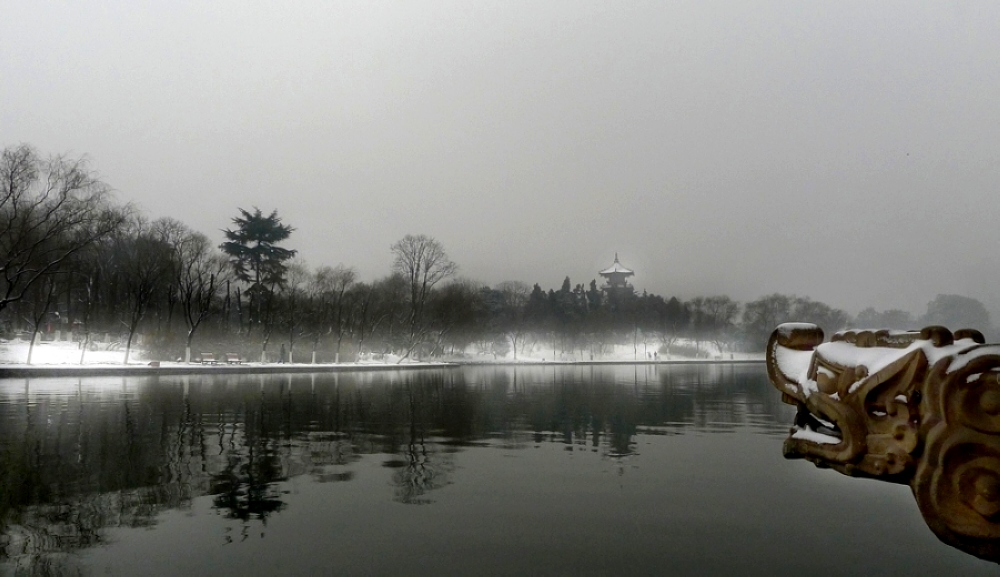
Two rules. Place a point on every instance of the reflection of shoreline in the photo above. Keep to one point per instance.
(45, 371)
(165, 369)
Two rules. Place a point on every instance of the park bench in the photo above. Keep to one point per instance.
(233, 359)
(208, 359)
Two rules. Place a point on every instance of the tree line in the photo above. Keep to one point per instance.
(76, 261)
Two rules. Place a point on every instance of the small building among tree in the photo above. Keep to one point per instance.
(616, 278)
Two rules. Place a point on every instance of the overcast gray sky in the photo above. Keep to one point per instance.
(848, 151)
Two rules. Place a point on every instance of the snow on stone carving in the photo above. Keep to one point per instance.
(915, 407)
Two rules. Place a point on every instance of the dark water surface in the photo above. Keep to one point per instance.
(601, 470)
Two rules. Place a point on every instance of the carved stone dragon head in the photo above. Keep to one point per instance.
(915, 407)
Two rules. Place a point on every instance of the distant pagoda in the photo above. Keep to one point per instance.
(616, 277)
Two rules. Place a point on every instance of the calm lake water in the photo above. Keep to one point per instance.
(580, 470)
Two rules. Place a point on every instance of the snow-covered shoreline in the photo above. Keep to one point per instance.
(62, 359)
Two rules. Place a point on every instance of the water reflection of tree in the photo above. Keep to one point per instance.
(714, 397)
(245, 488)
(68, 470)
(583, 408)
(72, 465)
(420, 470)
(329, 455)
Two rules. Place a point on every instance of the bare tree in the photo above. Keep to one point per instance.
(762, 315)
(830, 319)
(49, 210)
(92, 271)
(957, 312)
(199, 275)
(454, 312)
(87, 296)
(719, 315)
(514, 301)
(145, 261)
(295, 303)
(893, 318)
(423, 263)
(42, 300)
(330, 288)
(374, 308)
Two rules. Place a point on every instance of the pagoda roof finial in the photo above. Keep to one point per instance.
(616, 268)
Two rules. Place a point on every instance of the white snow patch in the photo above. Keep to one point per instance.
(847, 355)
(974, 354)
(823, 422)
(815, 437)
(877, 358)
(794, 364)
(786, 329)
(61, 353)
